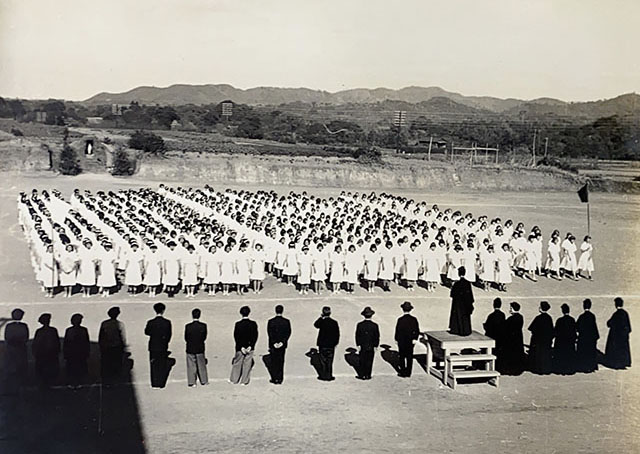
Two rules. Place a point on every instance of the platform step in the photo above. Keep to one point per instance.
(458, 374)
(472, 357)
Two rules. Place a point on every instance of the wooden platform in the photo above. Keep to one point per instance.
(451, 357)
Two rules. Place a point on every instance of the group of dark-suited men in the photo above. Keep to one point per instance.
(565, 348)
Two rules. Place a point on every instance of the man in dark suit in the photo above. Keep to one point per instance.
(407, 333)
(328, 338)
(245, 334)
(461, 305)
(279, 331)
(159, 331)
(367, 340)
(112, 342)
(195, 334)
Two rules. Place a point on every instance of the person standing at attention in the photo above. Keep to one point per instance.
(245, 334)
(328, 338)
(407, 333)
(195, 335)
(461, 305)
(367, 340)
(279, 331)
(159, 331)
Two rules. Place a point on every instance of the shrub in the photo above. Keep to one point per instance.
(69, 164)
(367, 155)
(147, 142)
(122, 165)
(16, 132)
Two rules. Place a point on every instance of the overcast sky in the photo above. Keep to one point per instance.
(568, 49)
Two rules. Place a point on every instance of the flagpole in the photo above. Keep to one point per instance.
(588, 220)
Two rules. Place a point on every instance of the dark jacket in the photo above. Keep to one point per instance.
(407, 330)
(618, 353)
(195, 333)
(245, 334)
(367, 335)
(461, 308)
(494, 324)
(46, 343)
(111, 335)
(76, 343)
(329, 332)
(159, 331)
(540, 352)
(16, 334)
(279, 330)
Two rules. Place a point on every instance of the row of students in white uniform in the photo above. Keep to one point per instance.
(407, 264)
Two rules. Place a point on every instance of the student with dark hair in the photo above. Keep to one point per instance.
(564, 347)
(245, 335)
(76, 347)
(46, 351)
(279, 331)
(195, 335)
(588, 335)
(617, 353)
(511, 357)
(159, 331)
(540, 351)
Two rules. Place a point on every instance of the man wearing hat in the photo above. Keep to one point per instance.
(407, 332)
(328, 338)
(367, 340)
(16, 335)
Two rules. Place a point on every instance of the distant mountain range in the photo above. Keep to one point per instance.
(628, 104)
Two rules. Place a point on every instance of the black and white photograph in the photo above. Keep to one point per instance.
(278, 226)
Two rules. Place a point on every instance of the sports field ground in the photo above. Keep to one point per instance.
(592, 413)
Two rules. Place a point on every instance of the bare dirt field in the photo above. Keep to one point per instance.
(591, 413)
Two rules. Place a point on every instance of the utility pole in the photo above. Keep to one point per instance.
(546, 144)
(399, 118)
(533, 164)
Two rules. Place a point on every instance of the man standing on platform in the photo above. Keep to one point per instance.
(159, 331)
(367, 339)
(461, 305)
(279, 331)
(407, 333)
(328, 338)
(195, 335)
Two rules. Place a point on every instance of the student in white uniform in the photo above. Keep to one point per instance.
(385, 273)
(432, 267)
(504, 259)
(304, 260)
(488, 265)
(171, 269)
(227, 268)
(531, 258)
(133, 268)
(49, 271)
(469, 261)
(553, 258)
(212, 269)
(152, 270)
(569, 263)
(290, 270)
(352, 266)
(87, 257)
(318, 268)
(585, 264)
(107, 269)
(412, 263)
(257, 259)
(336, 269)
(68, 267)
(372, 260)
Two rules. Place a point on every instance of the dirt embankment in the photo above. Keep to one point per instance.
(393, 173)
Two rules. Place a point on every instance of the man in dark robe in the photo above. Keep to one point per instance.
(112, 343)
(461, 306)
(540, 353)
(46, 351)
(511, 357)
(493, 324)
(75, 349)
(588, 335)
(407, 333)
(564, 347)
(16, 335)
(159, 331)
(279, 332)
(367, 340)
(328, 338)
(617, 352)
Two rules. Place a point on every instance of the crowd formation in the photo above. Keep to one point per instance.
(179, 239)
(567, 347)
